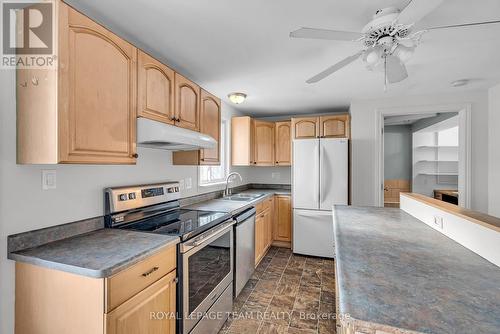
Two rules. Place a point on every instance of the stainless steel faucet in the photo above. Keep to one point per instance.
(227, 191)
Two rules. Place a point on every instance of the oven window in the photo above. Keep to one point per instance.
(207, 268)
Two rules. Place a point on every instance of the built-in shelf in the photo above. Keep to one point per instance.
(439, 174)
(437, 161)
(438, 146)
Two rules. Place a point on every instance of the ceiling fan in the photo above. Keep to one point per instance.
(388, 39)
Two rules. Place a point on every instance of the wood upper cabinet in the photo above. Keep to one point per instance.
(242, 141)
(155, 89)
(210, 124)
(264, 143)
(283, 141)
(283, 220)
(305, 127)
(335, 126)
(134, 316)
(187, 103)
(92, 103)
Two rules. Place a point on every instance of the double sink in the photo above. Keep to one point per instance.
(242, 197)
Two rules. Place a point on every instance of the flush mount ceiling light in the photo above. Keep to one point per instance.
(460, 83)
(237, 98)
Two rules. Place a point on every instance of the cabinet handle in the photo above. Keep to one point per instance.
(135, 155)
(149, 272)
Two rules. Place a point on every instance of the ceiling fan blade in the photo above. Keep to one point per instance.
(395, 69)
(330, 70)
(464, 25)
(416, 10)
(334, 35)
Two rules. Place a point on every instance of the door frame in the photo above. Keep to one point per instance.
(464, 168)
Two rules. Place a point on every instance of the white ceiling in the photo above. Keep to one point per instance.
(232, 45)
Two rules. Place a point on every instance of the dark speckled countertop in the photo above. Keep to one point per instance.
(393, 269)
(99, 253)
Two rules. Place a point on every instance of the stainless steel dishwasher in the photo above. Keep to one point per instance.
(244, 248)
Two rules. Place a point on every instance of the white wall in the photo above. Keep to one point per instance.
(397, 152)
(270, 175)
(24, 206)
(364, 150)
(494, 151)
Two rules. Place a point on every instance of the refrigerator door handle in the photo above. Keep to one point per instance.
(323, 171)
(317, 166)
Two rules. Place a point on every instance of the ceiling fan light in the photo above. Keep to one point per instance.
(373, 56)
(403, 52)
(237, 98)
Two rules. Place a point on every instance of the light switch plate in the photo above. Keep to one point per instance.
(275, 175)
(49, 180)
(181, 184)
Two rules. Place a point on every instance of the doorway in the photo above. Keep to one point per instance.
(425, 152)
(421, 156)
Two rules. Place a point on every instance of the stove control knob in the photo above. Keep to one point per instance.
(131, 195)
(122, 197)
(177, 189)
(171, 190)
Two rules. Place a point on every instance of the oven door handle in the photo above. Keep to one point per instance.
(207, 236)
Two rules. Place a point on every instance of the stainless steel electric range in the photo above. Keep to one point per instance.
(204, 255)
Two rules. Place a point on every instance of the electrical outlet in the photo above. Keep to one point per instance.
(275, 176)
(189, 183)
(49, 180)
(438, 222)
(181, 184)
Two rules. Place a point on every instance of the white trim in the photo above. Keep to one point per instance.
(225, 147)
(463, 110)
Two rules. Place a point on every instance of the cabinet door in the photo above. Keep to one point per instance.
(155, 82)
(151, 311)
(283, 143)
(259, 237)
(187, 103)
(283, 224)
(96, 92)
(305, 127)
(264, 143)
(210, 125)
(269, 223)
(337, 126)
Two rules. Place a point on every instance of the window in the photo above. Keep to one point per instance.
(210, 175)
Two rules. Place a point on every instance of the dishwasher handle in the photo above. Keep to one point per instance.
(241, 217)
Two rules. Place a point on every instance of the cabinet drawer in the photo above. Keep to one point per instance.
(267, 204)
(129, 282)
(259, 207)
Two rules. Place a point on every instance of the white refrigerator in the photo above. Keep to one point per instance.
(320, 180)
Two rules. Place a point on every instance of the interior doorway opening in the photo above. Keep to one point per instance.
(421, 154)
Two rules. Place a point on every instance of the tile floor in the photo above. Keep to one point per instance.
(288, 293)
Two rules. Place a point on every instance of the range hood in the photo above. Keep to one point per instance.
(154, 134)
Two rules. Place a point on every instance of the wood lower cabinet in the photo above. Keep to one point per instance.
(283, 219)
(264, 143)
(151, 311)
(335, 126)
(263, 228)
(187, 103)
(155, 84)
(283, 143)
(305, 127)
(83, 112)
(210, 124)
(139, 299)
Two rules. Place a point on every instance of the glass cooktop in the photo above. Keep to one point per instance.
(183, 223)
